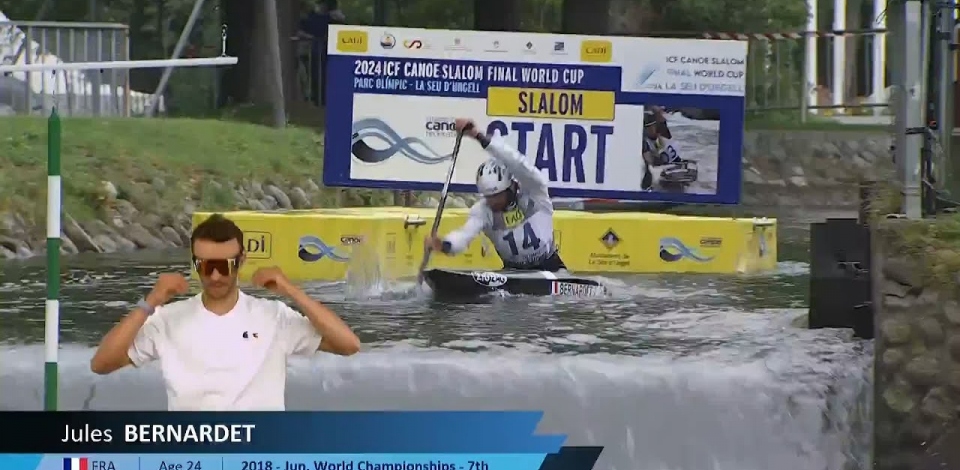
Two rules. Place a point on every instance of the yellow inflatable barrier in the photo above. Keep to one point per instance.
(323, 244)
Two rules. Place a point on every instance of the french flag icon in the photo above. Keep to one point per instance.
(76, 463)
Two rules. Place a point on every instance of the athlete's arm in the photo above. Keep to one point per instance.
(318, 329)
(132, 341)
(458, 240)
(531, 180)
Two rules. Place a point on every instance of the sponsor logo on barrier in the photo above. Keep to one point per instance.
(352, 41)
(672, 249)
(312, 249)
(348, 240)
(388, 41)
(711, 242)
(559, 47)
(413, 44)
(489, 279)
(575, 289)
(258, 245)
(610, 239)
(596, 51)
(391, 244)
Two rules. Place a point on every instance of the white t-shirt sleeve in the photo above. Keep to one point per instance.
(297, 333)
(145, 345)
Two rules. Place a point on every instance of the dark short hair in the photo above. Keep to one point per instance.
(219, 229)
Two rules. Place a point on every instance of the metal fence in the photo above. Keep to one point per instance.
(813, 72)
(74, 93)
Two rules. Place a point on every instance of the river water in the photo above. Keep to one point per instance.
(671, 372)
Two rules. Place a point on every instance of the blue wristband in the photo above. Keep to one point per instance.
(446, 247)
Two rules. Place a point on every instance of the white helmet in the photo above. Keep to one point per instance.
(493, 178)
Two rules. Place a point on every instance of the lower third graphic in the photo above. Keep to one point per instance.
(314, 249)
(672, 249)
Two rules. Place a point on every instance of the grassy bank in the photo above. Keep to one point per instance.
(151, 162)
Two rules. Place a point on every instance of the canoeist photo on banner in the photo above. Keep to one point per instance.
(601, 117)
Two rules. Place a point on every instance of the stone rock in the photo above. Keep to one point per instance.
(9, 243)
(898, 398)
(953, 379)
(951, 311)
(269, 203)
(256, 205)
(67, 246)
(299, 198)
(255, 189)
(7, 254)
(893, 358)
(158, 184)
(151, 222)
(312, 187)
(895, 289)
(106, 244)
(170, 235)
(430, 202)
(938, 405)
(895, 331)
(923, 370)
(143, 238)
(898, 303)
(185, 232)
(123, 243)
(24, 251)
(931, 330)
(80, 237)
(902, 271)
(283, 201)
(456, 202)
(125, 209)
(108, 190)
(953, 346)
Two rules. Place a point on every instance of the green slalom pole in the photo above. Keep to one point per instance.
(51, 337)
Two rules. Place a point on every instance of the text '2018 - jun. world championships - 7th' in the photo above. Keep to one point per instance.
(453, 440)
(573, 104)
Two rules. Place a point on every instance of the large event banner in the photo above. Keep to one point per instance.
(601, 117)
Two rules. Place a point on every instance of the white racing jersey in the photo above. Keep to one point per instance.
(523, 235)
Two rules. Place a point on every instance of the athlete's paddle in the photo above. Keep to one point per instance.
(443, 201)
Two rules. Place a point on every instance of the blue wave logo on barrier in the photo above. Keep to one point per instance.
(672, 249)
(645, 73)
(372, 129)
(314, 249)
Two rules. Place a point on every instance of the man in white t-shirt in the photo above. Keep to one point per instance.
(222, 349)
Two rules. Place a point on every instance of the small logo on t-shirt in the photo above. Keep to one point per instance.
(248, 335)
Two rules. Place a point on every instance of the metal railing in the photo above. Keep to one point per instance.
(799, 71)
(74, 93)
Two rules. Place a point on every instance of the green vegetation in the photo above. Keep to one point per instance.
(933, 243)
(157, 163)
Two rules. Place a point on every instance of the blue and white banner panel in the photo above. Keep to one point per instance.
(575, 105)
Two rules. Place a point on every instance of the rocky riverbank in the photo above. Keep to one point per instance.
(124, 223)
(781, 168)
(917, 372)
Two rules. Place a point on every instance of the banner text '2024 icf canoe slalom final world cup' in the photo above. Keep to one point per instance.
(601, 117)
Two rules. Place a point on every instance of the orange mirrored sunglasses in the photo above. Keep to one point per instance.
(206, 267)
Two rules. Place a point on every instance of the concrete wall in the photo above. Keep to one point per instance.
(812, 168)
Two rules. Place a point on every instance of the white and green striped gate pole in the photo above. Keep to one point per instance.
(52, 320)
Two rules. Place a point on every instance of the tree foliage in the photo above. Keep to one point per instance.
(155, 26)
